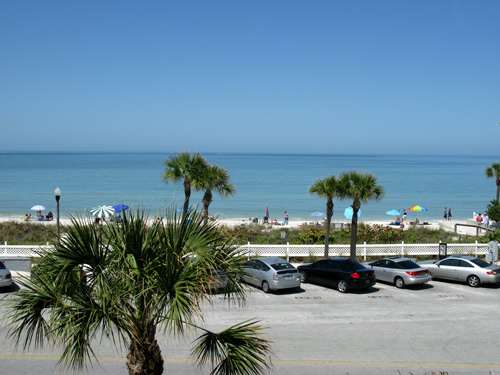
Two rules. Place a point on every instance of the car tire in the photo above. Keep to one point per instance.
(342, 286)
(303, 277)
(399, 282)
(473, 281)
(265, 287)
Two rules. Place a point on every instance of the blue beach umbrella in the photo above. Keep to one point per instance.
(120, 208)
(317, 213)
(349, 211)
(393, 213)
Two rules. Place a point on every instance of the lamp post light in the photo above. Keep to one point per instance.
(57, 193)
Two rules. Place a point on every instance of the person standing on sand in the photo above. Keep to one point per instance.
(445, 214)
(449, 214)
(286, 218)
(486, 219)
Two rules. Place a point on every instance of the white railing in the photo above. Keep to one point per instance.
(286, 251)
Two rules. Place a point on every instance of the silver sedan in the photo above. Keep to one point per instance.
(5, 277)
(464, 268)
(400, 271)
(271, 273)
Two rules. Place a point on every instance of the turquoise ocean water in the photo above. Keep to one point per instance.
(279, 181)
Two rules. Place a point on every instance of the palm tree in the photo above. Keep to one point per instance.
(184, 167)
(361, 188)
(214, 178)
(140, 279)
(494, 171)
(326, 187)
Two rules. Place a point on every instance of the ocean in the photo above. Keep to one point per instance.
(279, 181)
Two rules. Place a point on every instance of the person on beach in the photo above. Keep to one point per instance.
(404, 216)
(286, 218)
(486, 219)
(445, 216)
(479, 219)
(449, 214)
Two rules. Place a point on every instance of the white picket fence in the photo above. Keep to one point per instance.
(287, 251)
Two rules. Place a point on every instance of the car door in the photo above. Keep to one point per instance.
(250, 269)
(465, 269)
(315, 273)
(331, 273)
(447, 269)
(382, 269)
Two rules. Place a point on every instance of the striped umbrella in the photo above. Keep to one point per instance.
(418, 208)
(102, 211)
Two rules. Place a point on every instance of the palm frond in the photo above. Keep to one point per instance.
(238, 350)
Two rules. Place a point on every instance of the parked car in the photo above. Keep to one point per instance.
(5, 277)
(400, 271)
(464, 268)
(342, 273)
(271, 274)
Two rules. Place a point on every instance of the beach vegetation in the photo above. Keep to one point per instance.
(213, 178)
(493, 210)
(186, 168)
(493, 171)
(21, 233)
(326, 188)
(361, 188)
(143, 278)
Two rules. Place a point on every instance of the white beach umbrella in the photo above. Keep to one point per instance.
(38, 207)
(102, 211)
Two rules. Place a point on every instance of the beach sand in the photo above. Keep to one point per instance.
(433, 224)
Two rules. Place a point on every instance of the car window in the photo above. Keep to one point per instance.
(320, 264)
(282, 266)
(464, 263)
(480, 263)
(2, 266)
(378, 263)
(262, 266)
(350, 265)
(450, 262)
(333, 265)
(390, 264)
(407, 265)
(249, 264)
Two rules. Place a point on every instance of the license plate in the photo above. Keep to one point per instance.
(287, 276)
(367, 281)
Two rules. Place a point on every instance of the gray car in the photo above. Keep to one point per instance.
(400, 271)
(464, 268)
(271, 274)
(5, 277)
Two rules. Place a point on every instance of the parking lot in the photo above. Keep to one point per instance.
(440, 326)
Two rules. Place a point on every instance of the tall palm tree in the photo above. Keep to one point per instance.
(214, 178)
(142, 280)
(187, 168)
(361, 188)
(326, 187)
(494, 171)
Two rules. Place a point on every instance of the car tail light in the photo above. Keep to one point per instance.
(8, 276)
(275, 277)
(491, 272)
(355, 275)
(416, 273)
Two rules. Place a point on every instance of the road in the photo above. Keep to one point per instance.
(439, 327)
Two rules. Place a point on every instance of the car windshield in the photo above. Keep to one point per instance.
(480, 263)
(282, 266)
(407, 265)
(350, 265)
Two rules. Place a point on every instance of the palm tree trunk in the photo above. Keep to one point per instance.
(144, 358)
(207, 199)
(329, 214)
(498, 188)
(354, 231)
(187, 195)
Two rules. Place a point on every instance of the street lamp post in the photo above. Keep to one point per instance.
(57, 193)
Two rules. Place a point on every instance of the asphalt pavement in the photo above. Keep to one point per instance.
(440, 327)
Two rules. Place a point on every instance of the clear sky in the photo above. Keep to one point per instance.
(310, 76)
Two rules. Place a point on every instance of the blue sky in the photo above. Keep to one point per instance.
(251, 76)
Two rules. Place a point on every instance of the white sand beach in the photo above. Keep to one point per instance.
(449, 226)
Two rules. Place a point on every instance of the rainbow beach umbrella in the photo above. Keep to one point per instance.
(267, 212)
(418, 208)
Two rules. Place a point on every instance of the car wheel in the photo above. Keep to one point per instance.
(473, 281)
(303, 277)
(265, 287)
(400, 283)
(342, 286)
